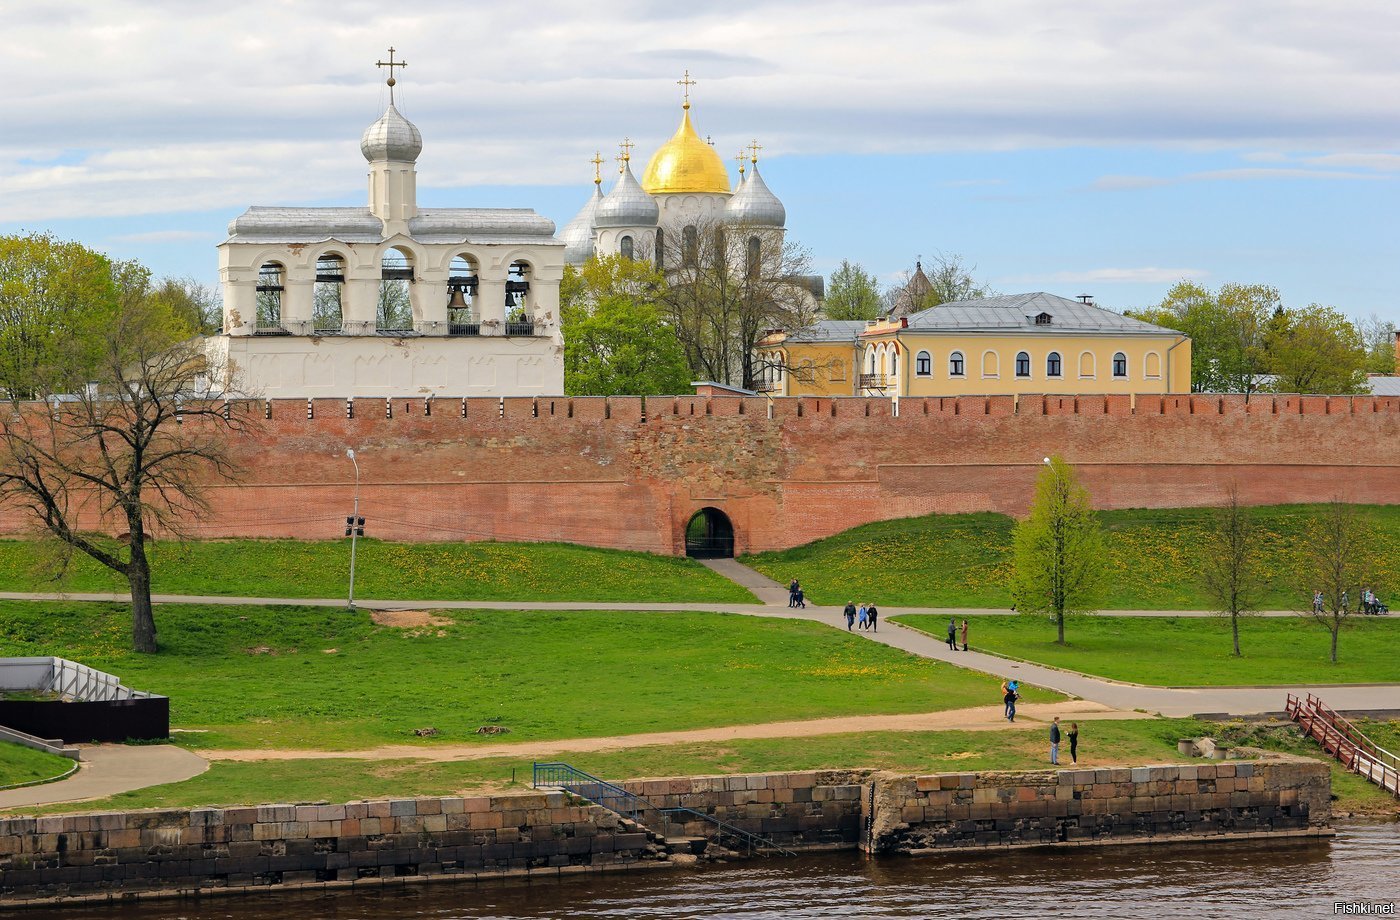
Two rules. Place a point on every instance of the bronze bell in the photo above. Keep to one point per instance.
(458, 300)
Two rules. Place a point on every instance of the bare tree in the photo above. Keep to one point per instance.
(1230, 568)
(726, 286)
(104, 465)
(1338, 561)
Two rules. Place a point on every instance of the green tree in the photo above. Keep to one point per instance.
(852, 293)
(56, 297)
(122, 441)
(1338, 562)
(1315, 350)
(1378, 335)
(192, 302)
(615, 338)
(1227, 329)
(1058, 549)
(1230, 565)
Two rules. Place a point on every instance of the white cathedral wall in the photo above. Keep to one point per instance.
(679, 210)
(275, 367)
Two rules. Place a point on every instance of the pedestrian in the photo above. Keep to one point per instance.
(952, 635)
(1074, 742)
(1010, 701)
(1344, 603)
(1055, 741)
(873, 615)
(964, 634)
(801, 599)
(850, 612)
(792, 593)
(1317, 602)
(864, 617)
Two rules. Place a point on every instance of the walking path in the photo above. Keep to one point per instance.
(975, 719)
(107, 769)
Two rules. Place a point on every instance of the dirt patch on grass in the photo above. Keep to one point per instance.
(408, 619)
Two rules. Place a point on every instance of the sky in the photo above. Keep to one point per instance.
(1073, 146)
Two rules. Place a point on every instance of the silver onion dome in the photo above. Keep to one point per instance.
(392, 137)
(577, 235)
(754, 205)
(627, 205)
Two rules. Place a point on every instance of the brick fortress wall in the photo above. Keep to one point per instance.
(629, 472)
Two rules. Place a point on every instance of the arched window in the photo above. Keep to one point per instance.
(754, 257)
(1152, 366)
(836, 369)
(660, 259)
(1087, 370)
(326, 307)
(894, 363)
(625, 247)
(1120, 364)
(395, 312)
(272, 279)
(872, 360)
(1023, 364)
(991, 365)
(1052, 364)
(462, 282)
(519, 320)
(923, 364)
(956, 366)
(690, 245)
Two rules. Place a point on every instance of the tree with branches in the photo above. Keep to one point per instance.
(1230, 564)
(1058, 549)
(1337, 563)
(119, 448)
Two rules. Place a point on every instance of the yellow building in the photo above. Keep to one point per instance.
(1022, 343)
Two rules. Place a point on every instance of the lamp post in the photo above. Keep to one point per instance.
(354, 525)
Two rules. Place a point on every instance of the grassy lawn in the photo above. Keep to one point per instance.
(963, 560)
(1133, 742)
(318, 678)
(421, 571)
(25, 765)
(1192, 651)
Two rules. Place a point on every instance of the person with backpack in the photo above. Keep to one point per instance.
(1010, 700)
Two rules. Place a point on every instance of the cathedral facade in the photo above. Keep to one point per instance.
(391, 300)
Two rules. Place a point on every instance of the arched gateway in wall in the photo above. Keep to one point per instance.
(709, 535)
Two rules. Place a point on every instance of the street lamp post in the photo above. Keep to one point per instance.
(354, 525)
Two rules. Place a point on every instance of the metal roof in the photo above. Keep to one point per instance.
(1017, 313)
(830, 330)
(1384, 385)
(500, 226)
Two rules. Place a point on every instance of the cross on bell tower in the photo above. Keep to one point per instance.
(391, 64)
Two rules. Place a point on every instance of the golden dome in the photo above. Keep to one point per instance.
(685, 163)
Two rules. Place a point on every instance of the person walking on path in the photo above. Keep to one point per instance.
(964, 634)
(850, 612)
(952, 635)
(1073, 734)
(1010, 700)
(801, 599)
(872, 613)
(1055, 741)
(864, 617)
(792, 592)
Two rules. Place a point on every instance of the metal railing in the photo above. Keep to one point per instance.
(634, 807)
(464, 328)
(67, 679)
(873, 381)
(522, 327)
(1344, 741)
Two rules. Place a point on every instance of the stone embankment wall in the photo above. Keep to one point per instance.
(1276, 797)
(629, 472)
(548, 835)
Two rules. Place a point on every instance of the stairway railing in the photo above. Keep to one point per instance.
(1344, 741)
(614, 798)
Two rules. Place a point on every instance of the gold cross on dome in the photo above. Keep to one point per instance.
(597, 162)
(626, 148)
(754, 148)
(740, 157)
(686, 83)
(391, 64)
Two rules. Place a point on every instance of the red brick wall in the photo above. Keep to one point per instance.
(627, 472)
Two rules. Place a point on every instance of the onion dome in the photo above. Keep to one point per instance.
(754, 205)
(686, 163)
(627, 205)
(392, 137)
(577, 235)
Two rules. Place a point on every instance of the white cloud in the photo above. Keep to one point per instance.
(181, 106)
(1144, 275)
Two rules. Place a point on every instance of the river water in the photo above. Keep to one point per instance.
(1246, 879)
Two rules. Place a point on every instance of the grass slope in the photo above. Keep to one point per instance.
(964, 560)
(317, 678)
(421, 571)
(25, 765)
(1191, 651)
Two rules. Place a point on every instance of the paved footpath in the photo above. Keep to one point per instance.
(107, 769)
